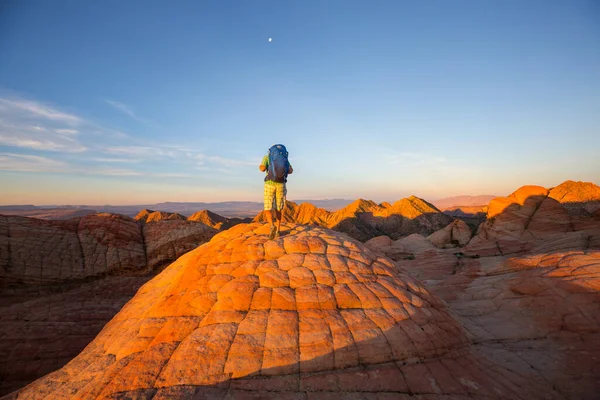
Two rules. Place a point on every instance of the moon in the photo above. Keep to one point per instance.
(270, 39)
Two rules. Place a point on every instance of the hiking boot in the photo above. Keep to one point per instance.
(273, 232)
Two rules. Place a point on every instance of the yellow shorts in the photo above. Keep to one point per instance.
(274, 194)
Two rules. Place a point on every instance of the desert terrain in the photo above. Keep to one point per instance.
(368, 301)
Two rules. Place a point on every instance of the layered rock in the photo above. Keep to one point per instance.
(515, 223)
(538, 313)
(55, 296)
(168, 240)
(42, 328)
(41, 252)
(311, 315)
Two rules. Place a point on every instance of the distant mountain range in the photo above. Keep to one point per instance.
(229, 209)
(463, 201)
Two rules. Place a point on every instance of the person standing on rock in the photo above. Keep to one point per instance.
(277, 167)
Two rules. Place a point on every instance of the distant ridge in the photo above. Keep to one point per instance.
(463, 201)
(364, 219)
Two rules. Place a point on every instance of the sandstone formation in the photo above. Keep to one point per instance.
(365, 219)
(167, 240)
(44, 327)
(515, 223)
(146, 216)
(312, 315)
(526, 288)
(536, 314)
(36, 251)
(455, 234)
(573, 194)
(215, 220)
(41, 252)
(61, 281)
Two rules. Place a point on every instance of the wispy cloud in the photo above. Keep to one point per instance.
(67, 131)
(114, 160)
(127, 110)
(141, 151)
(30, 163)
(40, 110)
(222, 161)
(33, 125)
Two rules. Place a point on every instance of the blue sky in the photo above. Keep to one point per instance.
(147, 101)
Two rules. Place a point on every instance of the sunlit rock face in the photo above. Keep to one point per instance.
(311, 315)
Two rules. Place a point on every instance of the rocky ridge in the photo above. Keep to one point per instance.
(365, 219)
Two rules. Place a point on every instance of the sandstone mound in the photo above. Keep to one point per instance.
(311, 315)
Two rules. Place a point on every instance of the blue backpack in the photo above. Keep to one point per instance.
(278, 164)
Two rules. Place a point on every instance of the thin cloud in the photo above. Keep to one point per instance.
(141, 151)
(30, 163)
(40, 110)
(125, 109)
(226, 162)
(67, 131)
(33, 125)
(114, 160)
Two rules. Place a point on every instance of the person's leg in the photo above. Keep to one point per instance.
(268, 198)
(281, 192)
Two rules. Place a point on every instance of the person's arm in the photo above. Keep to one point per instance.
(264, 164)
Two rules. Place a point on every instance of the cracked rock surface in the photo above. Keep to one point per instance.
(311, 315)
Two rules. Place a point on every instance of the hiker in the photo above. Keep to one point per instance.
(277, 166)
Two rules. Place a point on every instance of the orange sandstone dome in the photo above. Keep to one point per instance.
(313, 314)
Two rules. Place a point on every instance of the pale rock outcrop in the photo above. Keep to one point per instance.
(455, 234)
